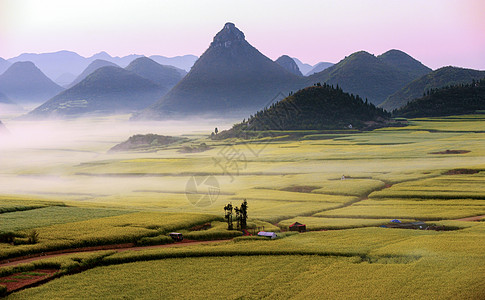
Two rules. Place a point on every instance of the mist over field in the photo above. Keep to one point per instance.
(37, 157)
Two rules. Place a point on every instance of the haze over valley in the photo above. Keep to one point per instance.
(242, 150)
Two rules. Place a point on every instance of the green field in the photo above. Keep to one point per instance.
(91, 197)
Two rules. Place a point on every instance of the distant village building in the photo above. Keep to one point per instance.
(297, 227)
(271, 235)
(343, 177)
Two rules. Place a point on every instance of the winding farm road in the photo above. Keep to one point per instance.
(117, 248)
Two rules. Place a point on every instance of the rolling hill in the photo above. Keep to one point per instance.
(451, 100)
(374, 78)
(289, 64)
(231, 77)
(165, 77)
(23, 82)
(439, 78)
(320, 107)
(108, 90)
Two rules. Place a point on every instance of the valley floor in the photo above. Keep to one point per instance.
(342, 186)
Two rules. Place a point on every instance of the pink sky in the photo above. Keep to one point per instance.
(436, 32)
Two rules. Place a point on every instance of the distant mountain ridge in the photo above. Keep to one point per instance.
(56, 64)
(371, 77)
(439, 78)
(4, 65)
(107, 90)
(23, 82)
(451, 100)
(289, 64)
(96, 64)
(165, 77)
(230, 77)
(319, 68)
(303, 67)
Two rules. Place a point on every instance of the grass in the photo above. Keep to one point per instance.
(127, 228)
(390, 173)
(344, 263)
(314, 223)
(52, 215)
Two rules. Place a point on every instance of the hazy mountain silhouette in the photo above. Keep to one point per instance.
(4, 65)
(107, 90)
(303, 67)
(98, 63)
(442, 77)
(318, 68)
(165, 77)
(117, 60)
(369, 76)
(23, 82)
(55, 64)
(65, 79)
(184, 62)
(320, 107)
(230, 77)
(451, 100)
(289, 64)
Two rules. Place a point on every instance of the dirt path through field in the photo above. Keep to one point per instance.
(118, 248)
(472, 219)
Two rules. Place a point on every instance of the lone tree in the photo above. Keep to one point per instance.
(228, 216)
(216, 130)
(242, 216)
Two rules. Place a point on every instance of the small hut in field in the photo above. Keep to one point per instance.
(297, 227)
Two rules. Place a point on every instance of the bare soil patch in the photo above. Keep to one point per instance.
(22, 280)
(461, 171)
(300, 188)
(451, 152)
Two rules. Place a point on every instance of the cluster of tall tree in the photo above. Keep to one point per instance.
(319, 107)
(446, 101)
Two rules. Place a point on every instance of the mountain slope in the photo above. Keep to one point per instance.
(98, 63)
(107, 90)
(447, 101)
(303, 67)
(4, 98)
(289, 64)
(184, 62)
(23, 82)
(319, 68)
(320, 107)
(436, 79)
(404, 63)
(366, 75)
(165, 77)
(230, 77)
(4, 65)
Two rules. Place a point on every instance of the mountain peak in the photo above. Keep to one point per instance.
(228, 35)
